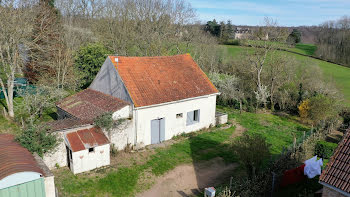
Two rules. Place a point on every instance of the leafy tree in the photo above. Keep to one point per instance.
(252, 151)
(213, 27)
(37, 139)
(36, 101)
(294, 37)
(89, 60)
(322, 108)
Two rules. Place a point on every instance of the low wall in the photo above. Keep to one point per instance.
(221, 118)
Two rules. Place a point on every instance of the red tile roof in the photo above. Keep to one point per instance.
(88, 104)
(86, 138)
(14, 158)
(337, 172)
(155, 80)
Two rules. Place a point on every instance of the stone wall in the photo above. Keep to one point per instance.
(328, 192)
(122, 135)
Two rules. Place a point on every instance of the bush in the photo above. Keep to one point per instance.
(37, 139)
(105, 121)
(325, 149)
(252, 151)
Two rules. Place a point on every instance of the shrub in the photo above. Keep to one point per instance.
(252, 151)
(37, 139)
(105, 121)
(325, 149)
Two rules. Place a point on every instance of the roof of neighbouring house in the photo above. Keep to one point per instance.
(86, 138)
(88, 104)
(14, 158)
(161, 79)
(337, 172)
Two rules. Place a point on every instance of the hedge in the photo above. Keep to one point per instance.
(325, 149)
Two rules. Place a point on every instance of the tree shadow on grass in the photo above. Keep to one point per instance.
(212, 158)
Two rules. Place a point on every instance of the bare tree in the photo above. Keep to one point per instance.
(263, 45)
(15, 27)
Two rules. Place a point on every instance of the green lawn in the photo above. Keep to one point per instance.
(279, 131)
(126, 180)
(123, 181)
(306, 49)
(339, 74)
(7, 126)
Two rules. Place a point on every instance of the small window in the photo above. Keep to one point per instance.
(193, 117)
(91, 150)
(180, 115)
(196, 116)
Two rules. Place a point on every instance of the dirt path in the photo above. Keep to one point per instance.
(239, 129)
(186, 180)
(190, 179)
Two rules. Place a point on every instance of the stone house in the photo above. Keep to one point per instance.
(336, 177)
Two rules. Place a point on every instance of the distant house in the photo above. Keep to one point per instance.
(151, 100)
(242, 33)
(336, 177)
(21, 173)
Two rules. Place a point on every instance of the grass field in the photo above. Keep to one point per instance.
(127, 179)
(306, 49)
(339, 74)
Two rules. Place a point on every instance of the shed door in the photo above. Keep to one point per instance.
(157, 130)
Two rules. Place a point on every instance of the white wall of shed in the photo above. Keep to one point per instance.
(50, 190)
(175, 126)
(85, 161)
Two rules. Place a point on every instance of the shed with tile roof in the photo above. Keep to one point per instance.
(87, 149)
(336, 177)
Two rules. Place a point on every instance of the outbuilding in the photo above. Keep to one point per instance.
(21, 173)
(87, 149)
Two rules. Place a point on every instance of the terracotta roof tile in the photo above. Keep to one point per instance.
(88, 104)
(337, 172)
(14, 158)
(86, 138)
(155, 80)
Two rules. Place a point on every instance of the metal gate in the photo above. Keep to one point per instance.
(157, 130)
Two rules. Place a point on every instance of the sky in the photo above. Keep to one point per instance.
(286, 12)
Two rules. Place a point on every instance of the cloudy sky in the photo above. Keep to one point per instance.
(287, 12)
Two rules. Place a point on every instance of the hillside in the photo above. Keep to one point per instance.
(338, 74)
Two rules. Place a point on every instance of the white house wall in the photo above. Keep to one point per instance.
(174, 126)
(84, 160)
(122, 113)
